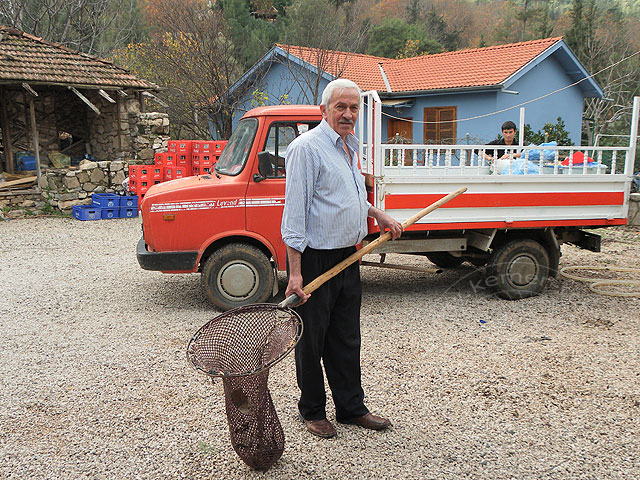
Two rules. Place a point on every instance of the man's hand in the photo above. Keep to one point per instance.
(295, 277)
(385, 222)
(295, 286)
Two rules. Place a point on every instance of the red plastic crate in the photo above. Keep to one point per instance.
(170, 159)
(183, 160)
(172, 146)
(143, 186)
(207, 161)
(171, 173)
(195, 170)
(157, 172)
(140, 172)
(184, 147)
(218, 146)
(159, 158)
(195, 160)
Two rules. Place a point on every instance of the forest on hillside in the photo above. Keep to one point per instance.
(196, 49)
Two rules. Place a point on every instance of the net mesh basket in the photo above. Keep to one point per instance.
(240, 346)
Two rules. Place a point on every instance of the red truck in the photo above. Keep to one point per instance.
(226, 224)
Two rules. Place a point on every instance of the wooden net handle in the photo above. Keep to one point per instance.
(315, 284)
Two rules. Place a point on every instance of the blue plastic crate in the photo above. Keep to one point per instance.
(128, 212)
(129, 201)
(86, 212)
(105, 200)
(24, 161)
(110, 213)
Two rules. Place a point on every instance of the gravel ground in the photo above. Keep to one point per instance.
(95, 381)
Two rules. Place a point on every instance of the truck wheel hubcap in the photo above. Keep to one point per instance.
(237, 280)
(522, 270)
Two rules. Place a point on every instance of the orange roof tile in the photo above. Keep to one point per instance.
(25, 58)
(459, 69)
(362, 69)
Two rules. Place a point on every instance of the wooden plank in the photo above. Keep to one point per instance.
(119, 117)
(36, 140)
(6, 135)
(12, 192)
(106, 96)
(22, 182)
(85, 100)
(28, 88)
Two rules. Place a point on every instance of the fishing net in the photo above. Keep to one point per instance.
(240, 346)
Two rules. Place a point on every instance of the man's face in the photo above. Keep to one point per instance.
(342, 112)
(508, 134)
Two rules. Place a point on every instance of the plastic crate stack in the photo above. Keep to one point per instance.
(184, 158)
(205, 154)
(141, 177)
(107, 205)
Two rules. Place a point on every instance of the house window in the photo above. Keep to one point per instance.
(440, 125)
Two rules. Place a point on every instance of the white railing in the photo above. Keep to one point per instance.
(443, 160)
(447, 160)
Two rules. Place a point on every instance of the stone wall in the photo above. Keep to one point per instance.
(20, 203)
(64, 188)
(137, 136)
(61, 189)
(150, 134)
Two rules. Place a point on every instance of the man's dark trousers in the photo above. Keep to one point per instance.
(331, 319)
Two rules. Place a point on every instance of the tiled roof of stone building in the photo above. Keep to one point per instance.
(25, 58)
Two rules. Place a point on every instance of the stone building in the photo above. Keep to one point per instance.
(65, 108)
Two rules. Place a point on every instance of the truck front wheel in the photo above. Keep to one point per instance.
(518, 269)
(236, 275)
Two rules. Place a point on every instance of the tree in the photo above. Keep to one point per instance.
(413, 11)
(191, 56)
(550, 132)
(389, 39)
(602, 40)
(329, 30)
(251, 36)
(90, 26)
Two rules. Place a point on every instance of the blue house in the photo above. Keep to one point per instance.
(454, 97)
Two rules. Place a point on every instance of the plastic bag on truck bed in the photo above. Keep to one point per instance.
(518, 166)
(547, 154)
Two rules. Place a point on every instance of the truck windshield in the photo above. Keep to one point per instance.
(235, 153)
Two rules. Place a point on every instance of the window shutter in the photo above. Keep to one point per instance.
(441, 125)
(431, 127)
(447, 125)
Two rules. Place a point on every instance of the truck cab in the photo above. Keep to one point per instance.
(226, 224)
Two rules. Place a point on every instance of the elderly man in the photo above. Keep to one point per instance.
(325, 217)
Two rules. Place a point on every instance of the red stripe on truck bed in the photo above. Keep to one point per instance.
(483, 200)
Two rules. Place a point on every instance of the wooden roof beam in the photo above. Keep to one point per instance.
(85, 100)
(106, 96)
(28, 88)
(155, 99)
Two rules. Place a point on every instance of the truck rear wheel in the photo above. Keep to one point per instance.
(444, 259)
(518, 269)
(236, 275)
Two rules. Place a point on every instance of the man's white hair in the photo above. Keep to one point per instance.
(337, 84)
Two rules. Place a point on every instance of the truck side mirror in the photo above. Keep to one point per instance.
(265, 166)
